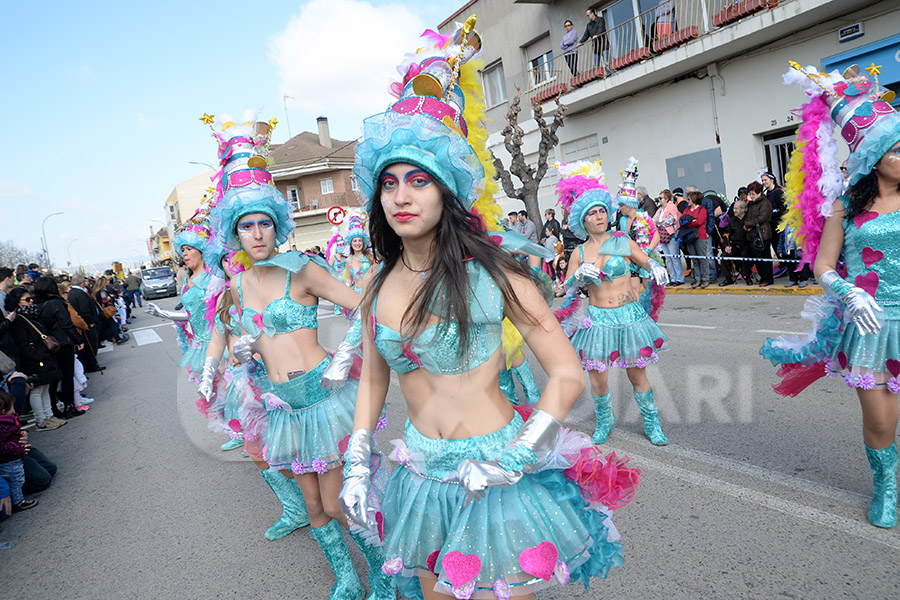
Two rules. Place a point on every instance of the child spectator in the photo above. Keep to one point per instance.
(13, 448)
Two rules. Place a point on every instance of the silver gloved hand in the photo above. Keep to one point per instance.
(172, 315)
(861, 306)
(244, 348)
(526, 454)
(208, 376)
(354, 496)
(587, 270)
(658, 272)
(335, 374)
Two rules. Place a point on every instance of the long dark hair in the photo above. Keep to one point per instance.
(458, 237)
(45, 288)
(862, 194)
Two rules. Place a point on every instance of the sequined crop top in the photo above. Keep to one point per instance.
(437, 348)
(872, 252)
(193, 297)
(280, 316)
(616, 247)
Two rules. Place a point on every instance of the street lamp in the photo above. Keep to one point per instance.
(193, 162)
(69, 252)
(44, 237)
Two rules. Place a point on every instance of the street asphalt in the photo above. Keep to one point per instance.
(756, 496)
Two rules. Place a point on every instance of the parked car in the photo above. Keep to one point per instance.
(158, 282)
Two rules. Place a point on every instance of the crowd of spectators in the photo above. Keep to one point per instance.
(51, 330)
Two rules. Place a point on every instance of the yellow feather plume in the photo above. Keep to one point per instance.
(512, 341)
(793, 187)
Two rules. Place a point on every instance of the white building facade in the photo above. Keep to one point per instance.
(692, 88)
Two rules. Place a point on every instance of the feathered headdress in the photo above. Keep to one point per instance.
(627, 192)
(581, 186)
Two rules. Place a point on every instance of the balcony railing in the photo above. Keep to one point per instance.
(651, 33)
(329, 200)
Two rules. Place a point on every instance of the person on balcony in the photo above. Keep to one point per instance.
(665, 18)
(595, 30)
(568, 45)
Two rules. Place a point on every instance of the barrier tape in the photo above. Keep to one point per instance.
(772, 260)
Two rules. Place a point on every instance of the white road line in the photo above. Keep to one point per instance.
(776, 331)
(793, 509)
(108, 348)
(146, 336)
(795, 483)
(166, 324)
(687, 326)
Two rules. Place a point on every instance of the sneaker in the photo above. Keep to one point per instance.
(24, 505)
(695, 284)
(83, 408)
(704, 285)
(59, 422)
(47, 426)
(802, 283)
(791, 284)
(725, 282)
(85, 400)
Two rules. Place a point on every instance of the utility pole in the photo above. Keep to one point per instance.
(286, 117)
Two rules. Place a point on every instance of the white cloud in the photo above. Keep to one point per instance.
(13, 189)
(337, 58)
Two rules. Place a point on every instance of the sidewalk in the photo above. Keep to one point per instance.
(740, 288)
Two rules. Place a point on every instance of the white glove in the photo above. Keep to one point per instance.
(658, 272)
(861, 306)
(208, 376)
(244, 348)
(336, 372)
(587, 270)
(172, 315)
(354, 496)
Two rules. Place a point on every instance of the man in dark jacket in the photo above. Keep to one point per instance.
(595, 31)
(775, 196)
(86, 308)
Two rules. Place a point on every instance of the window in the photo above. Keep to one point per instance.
(585, 148)
(541, 69)
(327, 186)
(173, 213)
(354, 184)
(494, 82)
(293, 198)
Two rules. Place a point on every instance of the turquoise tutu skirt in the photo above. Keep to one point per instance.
(233, 399)
(623, 337)
(306, 422)
(866, 361)
(193, 357)
(539, 530)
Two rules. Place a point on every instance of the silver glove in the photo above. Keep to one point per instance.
(244, 348)
(526, 454)
(354, 496)
(587, 270)
(861, 306)
(335, 374)
(658, 272)
(172, 315)
(210, 366)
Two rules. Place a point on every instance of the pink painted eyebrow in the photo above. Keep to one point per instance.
(415, 172)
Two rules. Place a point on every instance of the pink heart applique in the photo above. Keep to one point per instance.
(460, 568)
(431, 561)
(496, 239)
(342, 445)
(841, 87)
(614, 356)
(868, 282)
(379, 523)
(842, 359)
(235, 425)
(871, 256)
(396, 89)
(863, 218)
(646, 351)
(658, 342)
(540, 560)
(893, 366)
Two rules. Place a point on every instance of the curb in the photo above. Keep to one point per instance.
(741, 289)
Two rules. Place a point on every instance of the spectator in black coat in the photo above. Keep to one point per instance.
(34, 360)
(53, 314)
(87, 309)
(595, 32)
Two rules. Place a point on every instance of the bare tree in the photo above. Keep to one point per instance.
(12, 255)
(530, 177)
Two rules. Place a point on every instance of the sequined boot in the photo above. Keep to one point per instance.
(288, 493)
(232, 444)
(650, 415)
(508, 386)
(606, 419)
(381, 586)
(883, 510)
(526, 378)
(347, 585)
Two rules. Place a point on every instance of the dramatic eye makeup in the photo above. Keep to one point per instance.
(417, 178)
(247, 226)
(388, 182)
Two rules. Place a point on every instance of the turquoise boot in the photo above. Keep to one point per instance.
(232, 444)
(650, 415)
(347, 585)
(525, 377)
(288, 493)
(606, 419)
(508, 386)
(883, 510)
(381, 586)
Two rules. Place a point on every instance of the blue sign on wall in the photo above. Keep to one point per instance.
(884, 52)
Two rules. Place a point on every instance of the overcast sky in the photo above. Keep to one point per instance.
(102, 100)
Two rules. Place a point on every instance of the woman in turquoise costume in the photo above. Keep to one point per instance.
(278, 303)
(467, 511)
(856, 330)
(201, 290)
(353, 256)
(617, 331)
